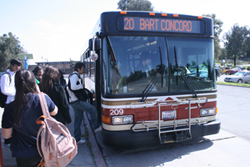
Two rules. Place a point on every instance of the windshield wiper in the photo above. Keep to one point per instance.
(186, 81)
(176, 66)
(152, 83)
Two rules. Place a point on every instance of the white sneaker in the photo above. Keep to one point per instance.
(81, 141)
(98, 129)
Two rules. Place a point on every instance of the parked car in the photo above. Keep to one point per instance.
(224, 70)
(248, 68)
(242, 67)
(233, 71)
(239, 77)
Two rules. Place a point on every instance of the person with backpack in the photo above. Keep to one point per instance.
(8, 87)
(78, 100)
(52, 87)
(19, 119)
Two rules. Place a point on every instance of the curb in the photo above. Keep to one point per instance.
(94, 146)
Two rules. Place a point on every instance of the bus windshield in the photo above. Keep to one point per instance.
(132, 63)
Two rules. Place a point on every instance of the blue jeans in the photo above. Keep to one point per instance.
(79, 107)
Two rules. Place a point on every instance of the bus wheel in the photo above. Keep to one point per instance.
(240, 81)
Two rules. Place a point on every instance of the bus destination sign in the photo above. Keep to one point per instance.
(162, 25)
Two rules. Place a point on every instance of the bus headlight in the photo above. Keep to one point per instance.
(207, 111)
(124, 119)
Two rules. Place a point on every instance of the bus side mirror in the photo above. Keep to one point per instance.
(94, 45)
(97, 46)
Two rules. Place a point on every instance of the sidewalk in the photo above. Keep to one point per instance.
(88, 154)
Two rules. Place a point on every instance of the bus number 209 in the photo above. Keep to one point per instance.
(116, 112)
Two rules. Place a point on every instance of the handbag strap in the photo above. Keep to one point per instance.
(43, 104)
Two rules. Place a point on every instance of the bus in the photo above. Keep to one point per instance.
(153, 77)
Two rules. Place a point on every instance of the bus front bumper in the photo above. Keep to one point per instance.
(130, 138)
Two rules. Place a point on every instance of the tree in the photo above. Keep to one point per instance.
(9, 48)
(217, 30)
(235, 41)
(122, 4)
(136, 5)
(246, 45)
(223, 54)
(72, 64)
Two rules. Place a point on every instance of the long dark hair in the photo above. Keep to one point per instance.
(50, 76)
(62, 80)
(25, 82)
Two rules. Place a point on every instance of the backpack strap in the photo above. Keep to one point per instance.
(43, 104)
(8, 75)
(68, 86)
(69, 79)
(38, 142)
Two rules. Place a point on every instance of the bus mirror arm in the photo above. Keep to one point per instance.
(94, 55)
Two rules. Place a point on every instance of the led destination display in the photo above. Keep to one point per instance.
(162, 25)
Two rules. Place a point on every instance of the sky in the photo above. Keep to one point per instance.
(57, 30)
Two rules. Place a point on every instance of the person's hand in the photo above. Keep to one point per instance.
(37, 88)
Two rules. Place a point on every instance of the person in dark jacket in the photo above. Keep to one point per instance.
(52, 87)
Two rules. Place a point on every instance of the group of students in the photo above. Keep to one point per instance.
(23, 107)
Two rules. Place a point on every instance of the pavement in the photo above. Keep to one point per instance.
(89, 154)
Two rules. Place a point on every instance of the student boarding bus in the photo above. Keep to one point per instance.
(153, 77)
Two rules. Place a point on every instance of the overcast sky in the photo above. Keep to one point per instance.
(56, 30)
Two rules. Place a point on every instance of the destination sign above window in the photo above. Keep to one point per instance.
(161, 25)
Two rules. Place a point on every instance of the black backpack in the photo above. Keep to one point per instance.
(3, 97)
(82, 94)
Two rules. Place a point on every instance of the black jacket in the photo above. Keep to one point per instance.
(59, 98)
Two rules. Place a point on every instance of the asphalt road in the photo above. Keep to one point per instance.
(231, 147)
(233, 110)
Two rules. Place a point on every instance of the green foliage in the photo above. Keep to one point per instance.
(223, 54)
(72, 64)
(135, 5)
(9, 48)
(217, 30)
(122, 4)
(236, 41)
(234, 84)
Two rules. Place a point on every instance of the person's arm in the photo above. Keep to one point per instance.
(73, 82)
(54, 112)
(6, 86)
(7, 133)
(51, 105)
(7, 127)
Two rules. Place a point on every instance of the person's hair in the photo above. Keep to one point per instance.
(16, 61)
(50, 76)
(79, 65)
(62, 80)
(38, 68)
(25, 82)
